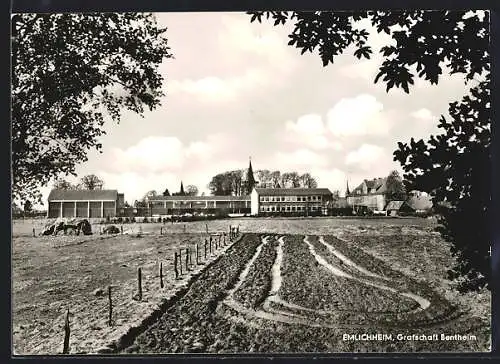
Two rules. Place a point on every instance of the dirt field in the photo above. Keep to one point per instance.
(52, 274)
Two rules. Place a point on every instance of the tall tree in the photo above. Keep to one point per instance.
(62, 184)
(275, 179)
(71, 73)
(28, 207)
(290, 179)
(395, 187)
(250, 181)
(91, 182)
(166, 192)
(454, 165)
(191, 190)
(307, 181)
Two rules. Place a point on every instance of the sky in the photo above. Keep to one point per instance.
(236, 90)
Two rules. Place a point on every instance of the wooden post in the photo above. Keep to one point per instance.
(139, 283)
(206, 243)
(175, 266)
(229, 230)
(187, 259)
(190, 256)
(180, 262)
(218, 237)
(161, 275)
(121, 229)
(184, 227)
(161, 230)
(206, 228)
(110, 322)
(224, 239)
(34, 232)
(197, 255)
(67, 332)
(210, 245)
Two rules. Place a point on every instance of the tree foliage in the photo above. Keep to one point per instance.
(395, 187)
(71, 73)
(166, 192)
(453, 166)
(191, 190)
(91, 182)
(62, 184)
(232, 182)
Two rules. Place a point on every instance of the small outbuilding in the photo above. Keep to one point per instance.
(84, 203)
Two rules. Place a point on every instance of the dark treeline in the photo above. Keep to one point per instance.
(235, 182)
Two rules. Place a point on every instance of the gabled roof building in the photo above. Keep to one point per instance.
(84, 203)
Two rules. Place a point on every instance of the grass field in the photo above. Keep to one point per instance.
(51, 274)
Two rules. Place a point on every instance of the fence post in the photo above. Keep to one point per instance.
(161, 230)
(110, 322)
(187, 259)
(210, 245)
(197, 255)
(180, 262)
(218, 237)
(34, 232)
(67, 332)
(161, 275)
(175, 266)
(224, 239)
(139, 282)
(121, 229)
(184, 227)
(206, 243)
(206, 228)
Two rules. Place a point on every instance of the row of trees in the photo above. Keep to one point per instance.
(233, 182)
(88, 182)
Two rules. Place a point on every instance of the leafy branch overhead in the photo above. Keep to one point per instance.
(71, 72)
(424, 42)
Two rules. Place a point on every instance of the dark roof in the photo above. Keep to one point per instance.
(200, 198)
(394, 205)
(292, 191)
(379, 184)
(84, 195)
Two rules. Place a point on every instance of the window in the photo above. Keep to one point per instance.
(282, 208)
(287, 198)
(308, 198)
(288, 208)
(271, 199)
(262, 208)
(261, 198)
(273, 208)
(294, 208)
(266, 199)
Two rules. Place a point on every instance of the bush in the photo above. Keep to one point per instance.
(145, 220)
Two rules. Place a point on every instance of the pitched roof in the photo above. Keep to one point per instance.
(292, 191)
(394, 205)
(200, 198)
(84, 195)
(379, 184)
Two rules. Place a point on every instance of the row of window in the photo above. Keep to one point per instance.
(289, 198)
(288, 208)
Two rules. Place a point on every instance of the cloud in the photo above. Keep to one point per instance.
(216, 88)
(366, 157)
(423, 114)
(300, 160)
(357, 116)
(151, 154)
(309, 130)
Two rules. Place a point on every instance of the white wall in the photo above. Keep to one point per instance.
(254, 198)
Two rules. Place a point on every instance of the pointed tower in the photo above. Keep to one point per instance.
(250, 183)
(347, 192)
(182, 190)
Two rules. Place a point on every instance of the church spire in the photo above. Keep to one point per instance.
(182, 189)
(347, 192)
(250, 178)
